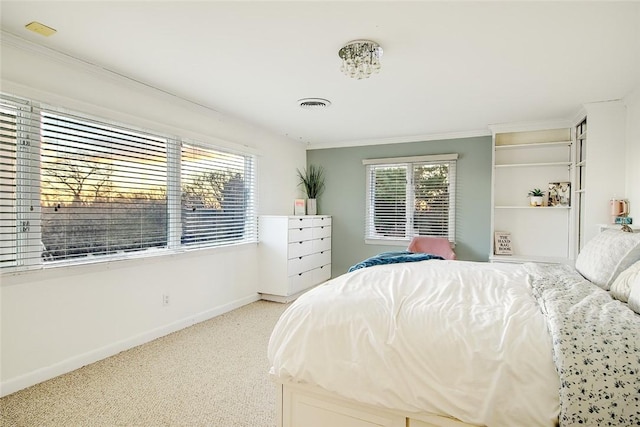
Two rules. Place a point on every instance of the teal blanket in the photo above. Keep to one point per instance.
(393, 257)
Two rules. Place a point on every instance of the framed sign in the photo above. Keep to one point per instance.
(502, 243)
(299, 207)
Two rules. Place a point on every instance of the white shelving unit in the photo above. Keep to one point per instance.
(524, 160)
(580, 179)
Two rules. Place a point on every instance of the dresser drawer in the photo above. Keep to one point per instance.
(321, 244)
(322, 231)
(325, 220)
(305, 247)
(308, 262)
(321, 274)
(300, 234)
(301, 281)
(301, 222)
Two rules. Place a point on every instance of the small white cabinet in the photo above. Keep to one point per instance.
(295, 254)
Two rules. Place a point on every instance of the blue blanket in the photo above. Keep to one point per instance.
(393, 258)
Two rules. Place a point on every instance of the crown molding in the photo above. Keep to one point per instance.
(400, 140)
(530, 126)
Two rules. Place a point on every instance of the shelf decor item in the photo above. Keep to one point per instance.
(299, 207)
(559, 194)
(537, 197)
(502, 243)
(312, 179)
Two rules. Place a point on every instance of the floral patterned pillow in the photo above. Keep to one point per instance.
(608, 254)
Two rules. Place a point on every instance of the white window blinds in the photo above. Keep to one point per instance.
(20, 243)
(103, 188)
(76, 189)
(217, 196)
(407, 198)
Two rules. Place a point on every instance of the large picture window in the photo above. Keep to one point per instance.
(411, 196)
(77, 189)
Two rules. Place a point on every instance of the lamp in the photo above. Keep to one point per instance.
(360, 58)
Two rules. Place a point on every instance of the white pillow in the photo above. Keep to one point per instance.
(607, 255)
(634, 295)
(621, 287)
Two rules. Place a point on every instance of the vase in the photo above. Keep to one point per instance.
(312, 207)
(536, 200)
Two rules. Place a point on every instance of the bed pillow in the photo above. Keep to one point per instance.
(605, 256)
(634, 295)
(621, 287)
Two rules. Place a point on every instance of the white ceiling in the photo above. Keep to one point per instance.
(448, 67)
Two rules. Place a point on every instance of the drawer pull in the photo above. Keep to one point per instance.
(299, 257)
(301, 229)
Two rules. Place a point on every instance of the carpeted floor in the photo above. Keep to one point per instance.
(214, 373)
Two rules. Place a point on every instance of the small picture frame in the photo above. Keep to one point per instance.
(299, 207)
(559, 194)
(502, 243)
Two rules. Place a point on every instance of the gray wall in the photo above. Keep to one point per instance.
(344, 196)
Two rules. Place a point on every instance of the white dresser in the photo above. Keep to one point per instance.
(295, 254)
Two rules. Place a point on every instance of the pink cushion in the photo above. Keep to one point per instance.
(432, 245)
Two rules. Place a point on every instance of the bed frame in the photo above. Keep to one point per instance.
(309, 406)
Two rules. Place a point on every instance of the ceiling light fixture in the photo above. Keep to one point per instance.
(360, 58)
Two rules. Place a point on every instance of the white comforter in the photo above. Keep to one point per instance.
(453, 338)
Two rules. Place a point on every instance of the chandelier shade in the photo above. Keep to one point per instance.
(360, 58)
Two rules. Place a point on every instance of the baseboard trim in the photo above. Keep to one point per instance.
(76, 362)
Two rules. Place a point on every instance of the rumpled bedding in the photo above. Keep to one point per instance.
(454, 338)
(393, 257)
(596, 348)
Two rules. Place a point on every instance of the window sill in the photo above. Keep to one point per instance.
(387, 242)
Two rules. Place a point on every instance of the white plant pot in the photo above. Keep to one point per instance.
(536, 200)
(312, 207)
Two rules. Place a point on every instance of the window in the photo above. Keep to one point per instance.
(410, 196)
(77, 189)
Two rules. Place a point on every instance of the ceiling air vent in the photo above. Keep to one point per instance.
(313, 103)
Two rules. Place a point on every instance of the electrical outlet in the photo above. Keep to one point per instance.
(165, 299)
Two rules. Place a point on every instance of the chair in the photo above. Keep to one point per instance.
(432, 245)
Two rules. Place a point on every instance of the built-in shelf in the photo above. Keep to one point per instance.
(549, 208)
(523, 161)
(536, 144)
(519, 259)
(519, 165)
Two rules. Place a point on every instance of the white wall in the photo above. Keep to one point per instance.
(606, 161)
(57, 320)
(632, 101)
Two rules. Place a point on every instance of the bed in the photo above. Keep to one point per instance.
(456, 343)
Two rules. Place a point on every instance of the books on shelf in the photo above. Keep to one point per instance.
(502, 243)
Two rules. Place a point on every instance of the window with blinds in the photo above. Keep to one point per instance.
(409, 197)
(76, 189)
(216, 202)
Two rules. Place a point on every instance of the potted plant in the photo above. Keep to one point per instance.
(536, 196)
(312, 179)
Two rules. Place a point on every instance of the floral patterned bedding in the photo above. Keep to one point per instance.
(596, 348)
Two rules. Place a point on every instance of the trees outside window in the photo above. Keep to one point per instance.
(76, 188)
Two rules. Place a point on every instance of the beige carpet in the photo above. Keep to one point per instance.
(211, 374)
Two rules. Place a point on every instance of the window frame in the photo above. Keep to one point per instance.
(28, 198)
(409, 163)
